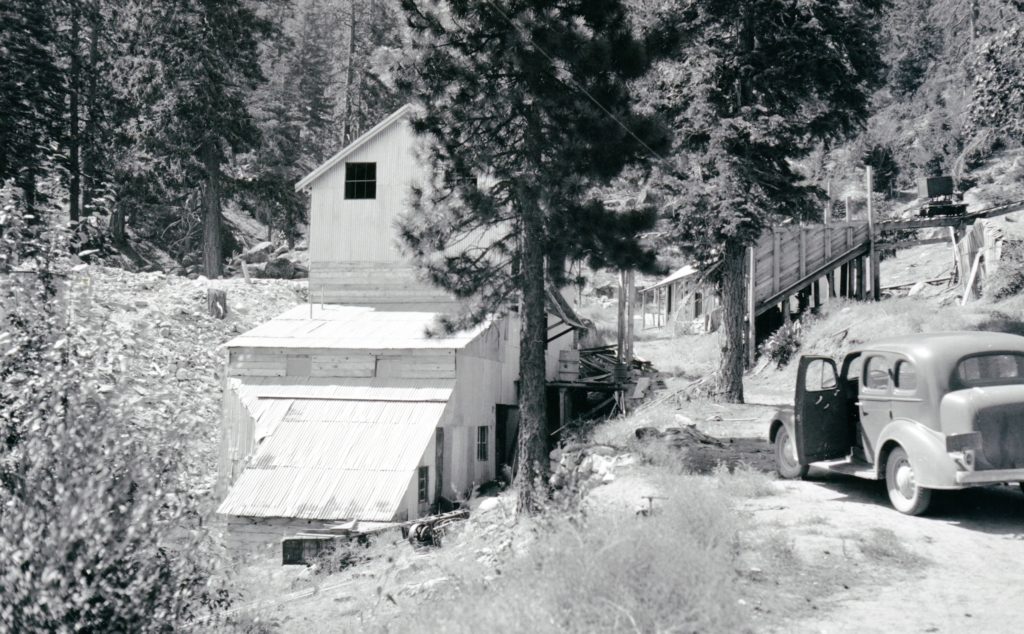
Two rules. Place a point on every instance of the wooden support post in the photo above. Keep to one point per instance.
(217, 303)
(643, 310)
(873, 260)
(828, 203)
(844, 280)
(621, 334)
(785, 309)
(847, 209)
(861, 279)
(630, 286)
(751, 306)
(816, 290)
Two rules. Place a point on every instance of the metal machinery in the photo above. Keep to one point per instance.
(940, 197)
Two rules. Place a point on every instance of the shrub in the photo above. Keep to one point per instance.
(1008, 280)
(782, 344)
(98, 530)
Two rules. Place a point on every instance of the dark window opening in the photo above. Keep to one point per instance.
(423, 488)
(481, 443)
(360, 180)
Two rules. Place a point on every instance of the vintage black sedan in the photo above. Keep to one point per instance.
(923, 412)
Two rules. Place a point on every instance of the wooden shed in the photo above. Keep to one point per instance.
(682, 296)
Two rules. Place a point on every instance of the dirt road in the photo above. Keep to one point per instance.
(962, 568)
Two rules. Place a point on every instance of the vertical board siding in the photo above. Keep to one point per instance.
(788, 254)
(364, 230)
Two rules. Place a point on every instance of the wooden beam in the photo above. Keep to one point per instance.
(906, 244)
(751, 307)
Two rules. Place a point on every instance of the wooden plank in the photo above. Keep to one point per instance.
(803, 252)
(776, 261)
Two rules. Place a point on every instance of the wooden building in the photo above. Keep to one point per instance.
(345, 410)
(356, 197)
(682, 296)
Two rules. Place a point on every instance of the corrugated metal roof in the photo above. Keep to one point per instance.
(336, 459)
(684, 272)
(333, 326)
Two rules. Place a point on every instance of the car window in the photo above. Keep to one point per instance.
(876, 373)
(990, 369)
(906, 376)
(821, 376)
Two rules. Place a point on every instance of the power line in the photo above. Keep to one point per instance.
(573, 81)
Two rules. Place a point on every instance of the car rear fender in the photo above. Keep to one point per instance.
(933, 467)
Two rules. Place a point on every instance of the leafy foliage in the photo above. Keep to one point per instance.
(97, 530)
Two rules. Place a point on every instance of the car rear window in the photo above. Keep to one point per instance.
(990, 369)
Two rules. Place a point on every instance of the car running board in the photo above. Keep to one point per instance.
(846, 466)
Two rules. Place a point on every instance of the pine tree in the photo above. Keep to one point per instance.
(510, 90)
(756, 85)
(204, 67)
(31, 93)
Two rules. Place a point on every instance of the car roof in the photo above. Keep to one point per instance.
(945, 346)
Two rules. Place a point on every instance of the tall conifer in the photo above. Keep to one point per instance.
(509, 90)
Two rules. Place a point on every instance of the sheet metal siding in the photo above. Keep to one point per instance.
(364, 230)
(336, 460)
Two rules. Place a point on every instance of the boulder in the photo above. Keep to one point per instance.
(259, 252)
(281, 268)
(301, 271)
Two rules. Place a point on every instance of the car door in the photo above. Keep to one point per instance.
(875, 399)
(822, 428)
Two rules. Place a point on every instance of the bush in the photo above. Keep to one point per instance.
(782, 344)
(98, 531)
(1008, 280)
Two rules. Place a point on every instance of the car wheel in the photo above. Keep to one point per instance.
(904, 492)
(786, 461)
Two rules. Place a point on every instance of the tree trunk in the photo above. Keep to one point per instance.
(211, 212)
(74, 140)
(89, 170)
(117, 225)
(733, 332)
(217, 303)
(346, 127)
(532, 454)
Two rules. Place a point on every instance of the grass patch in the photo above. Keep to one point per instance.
(882, 545)
(743, 481)
(675, 570)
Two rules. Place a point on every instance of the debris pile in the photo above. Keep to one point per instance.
(579, 468)
(150, 339)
